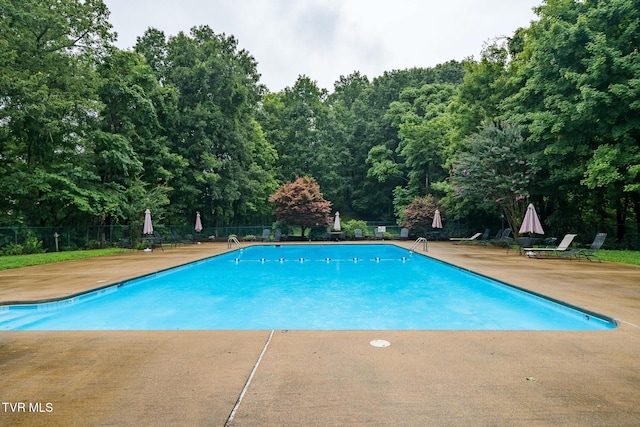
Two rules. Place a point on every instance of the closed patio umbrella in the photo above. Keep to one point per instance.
(198, 226)
(437, 220)
(148, 227)
(336, 222)
(531, 223)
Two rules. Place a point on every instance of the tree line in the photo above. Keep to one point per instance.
(94, 135)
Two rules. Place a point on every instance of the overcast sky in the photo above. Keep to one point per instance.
(324, 39)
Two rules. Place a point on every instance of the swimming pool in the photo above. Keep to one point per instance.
(306, 287)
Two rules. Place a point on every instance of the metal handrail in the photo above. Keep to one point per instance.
(233, 240)
(418, 241)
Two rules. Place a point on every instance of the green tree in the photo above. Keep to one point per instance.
(495, 170)
(230, 164)
(49, 107)
(577, 99)
(375, 142)
(349, 153)
(152, 45)
(421, 116)
(306, 128)
(294, 121)
(130, 146)
(484, 85)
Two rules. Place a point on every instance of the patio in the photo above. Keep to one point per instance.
(440, 378)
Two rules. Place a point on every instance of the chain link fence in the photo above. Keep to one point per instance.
(22, 239)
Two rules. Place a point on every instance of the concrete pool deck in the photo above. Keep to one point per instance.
(326, 378)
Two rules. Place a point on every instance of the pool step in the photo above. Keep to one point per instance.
(8, 314)
(15, 319)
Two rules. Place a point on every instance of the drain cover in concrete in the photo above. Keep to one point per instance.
(380, 343)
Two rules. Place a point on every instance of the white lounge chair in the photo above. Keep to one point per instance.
(465, 239)
(562, 247)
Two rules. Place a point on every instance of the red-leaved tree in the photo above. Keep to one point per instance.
(418, 215)
(301, 203)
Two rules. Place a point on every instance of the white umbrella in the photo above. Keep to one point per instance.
(198, 226)
(437, 220)
(531, 223)
(148, 227)
(336, 222)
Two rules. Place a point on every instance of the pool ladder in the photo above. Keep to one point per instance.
(419, 240)
(233, 240)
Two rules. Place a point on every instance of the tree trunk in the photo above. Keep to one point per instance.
(635, 197)
(621, 217)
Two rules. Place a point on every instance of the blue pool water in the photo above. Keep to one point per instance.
(321, 287)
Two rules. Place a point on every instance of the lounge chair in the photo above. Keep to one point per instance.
(504, 240)
(404, 233)
(562, 247)
(524, 242)
(125, 242)
(265, 234)
(465, 239)
(277, 235)
(485, 237)
(174, 239)
(156, 240)
(589, 252)
(357, 234)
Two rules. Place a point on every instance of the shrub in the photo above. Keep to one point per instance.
(12, 249)
(141, 244)
(32, 245)
(318, 233)
(94, 244)
(348, 227)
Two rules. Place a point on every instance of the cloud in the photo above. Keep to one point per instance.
(317, 27)
(325, 39)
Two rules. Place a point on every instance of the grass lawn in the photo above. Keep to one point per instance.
(625, 257)
(17, 261)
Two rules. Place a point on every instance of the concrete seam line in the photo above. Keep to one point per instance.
(635, 326)
(246, 386)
